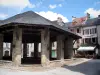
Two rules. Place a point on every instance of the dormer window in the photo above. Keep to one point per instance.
(60, 21)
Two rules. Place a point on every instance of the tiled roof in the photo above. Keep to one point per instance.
(33, 18)
(1, 20)
(89, 22)
(29, 17)
(78, 21)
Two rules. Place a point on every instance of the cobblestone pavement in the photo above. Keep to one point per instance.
(85, 67)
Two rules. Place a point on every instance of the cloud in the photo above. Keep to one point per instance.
(3, 16)
(52, 16)
(60, 5)
(55, 6)
(52, 6)
(93, 12)
(97, 3)
(16, 3)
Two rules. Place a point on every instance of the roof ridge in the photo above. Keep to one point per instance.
(26, 15)
(17, 15)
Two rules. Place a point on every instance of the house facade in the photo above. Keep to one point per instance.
(88, 29)
(88, 34)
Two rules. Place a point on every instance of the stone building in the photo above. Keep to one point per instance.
(29, 27)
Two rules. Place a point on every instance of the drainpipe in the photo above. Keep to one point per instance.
(97, 44)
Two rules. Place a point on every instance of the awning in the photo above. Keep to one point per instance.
(86, 48)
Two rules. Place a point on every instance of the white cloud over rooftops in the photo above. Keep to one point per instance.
(16, 3)
(93, 12)
(52, 6)
(3, 16)
(52, 15)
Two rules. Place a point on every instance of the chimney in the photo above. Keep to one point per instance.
(88, 16)
(73, 18)
(98, 16)
(59, 21)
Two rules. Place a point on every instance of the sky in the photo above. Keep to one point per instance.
(51, 9)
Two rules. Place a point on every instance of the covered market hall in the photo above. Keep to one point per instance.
(30, 27)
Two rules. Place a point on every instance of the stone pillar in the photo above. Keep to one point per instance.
(60, 47)
(24, 50)
(50, 51)
(17, 46)
(36, 49)
(1, 46)
(68, 52)
(45, 38)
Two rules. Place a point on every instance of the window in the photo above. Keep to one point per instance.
(93, 31)
(87, 40)
(93, 40)
(90, 31)
(83, 32)
(86, 31)
(78, 30)
(72, 30)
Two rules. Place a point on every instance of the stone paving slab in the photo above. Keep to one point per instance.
(37, 67)
(83, 67)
